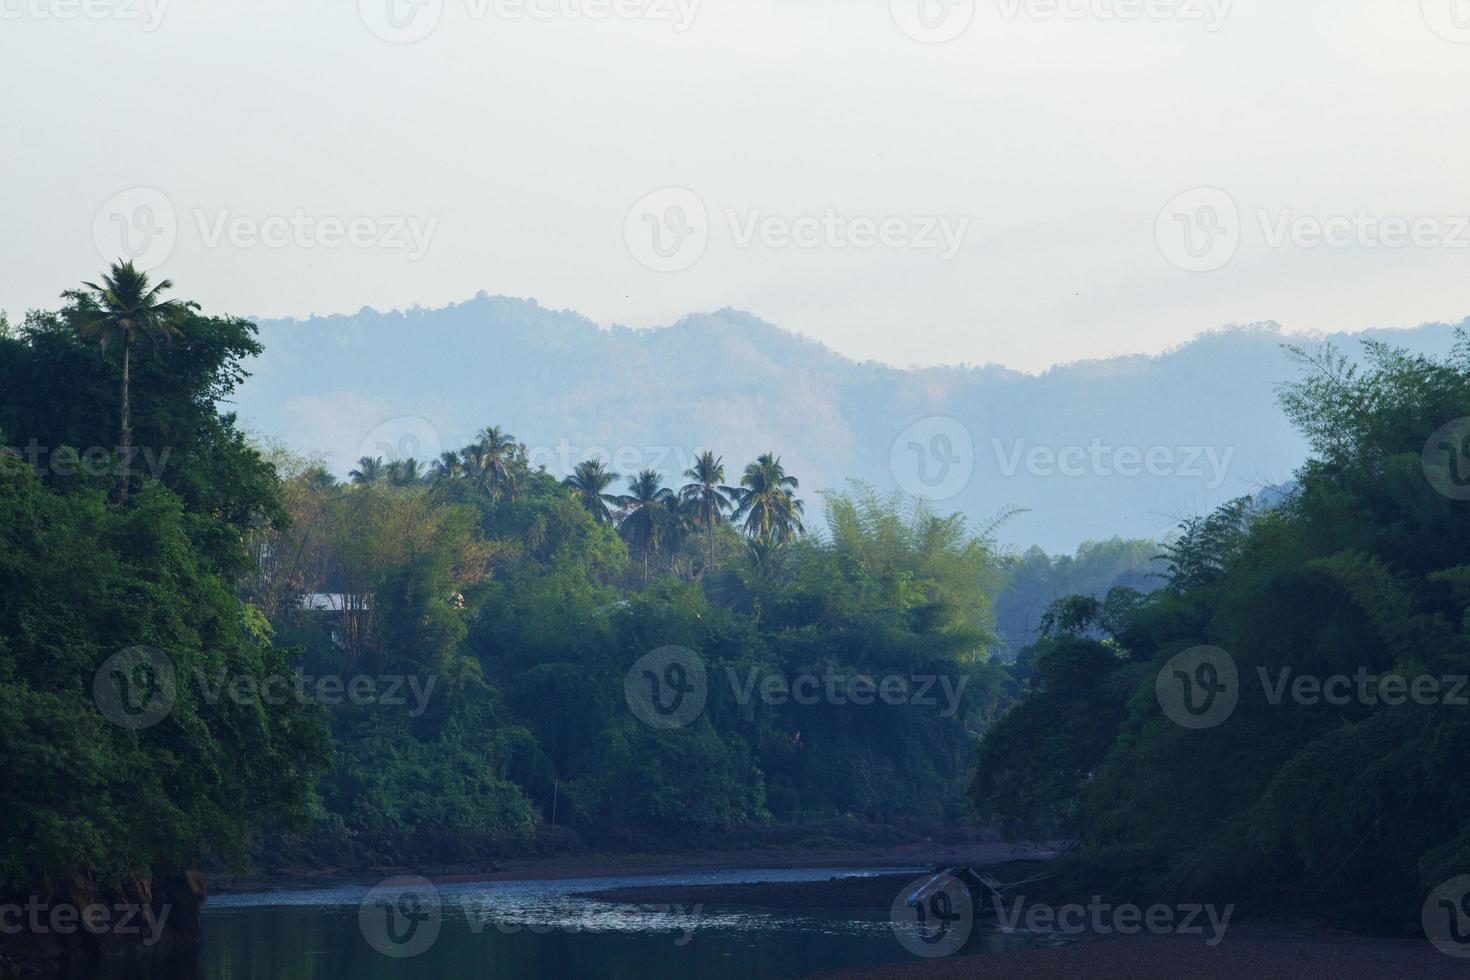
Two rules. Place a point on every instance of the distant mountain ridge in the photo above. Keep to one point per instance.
(1125, 445)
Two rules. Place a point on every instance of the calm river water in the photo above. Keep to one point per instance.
(495, 930)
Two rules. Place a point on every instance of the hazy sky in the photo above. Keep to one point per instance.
(996, 180)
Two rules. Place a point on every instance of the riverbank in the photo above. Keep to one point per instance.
(920, 856)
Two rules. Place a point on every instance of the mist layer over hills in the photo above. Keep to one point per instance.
(1124, 446)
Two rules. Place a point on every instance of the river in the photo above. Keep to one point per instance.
(505, 929)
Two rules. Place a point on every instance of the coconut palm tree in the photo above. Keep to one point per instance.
(370, 469)
(318, 480)
(404, 472)
(589, 482)
(447, 467)
(125, 308)
(764, 501)
(706, 495)
(651, 517)
(494, 460)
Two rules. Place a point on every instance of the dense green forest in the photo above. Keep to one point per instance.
(1299, 794)
(492, 611)
(432, 660)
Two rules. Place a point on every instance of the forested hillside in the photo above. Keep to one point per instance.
(1285, 724)
(731, 383)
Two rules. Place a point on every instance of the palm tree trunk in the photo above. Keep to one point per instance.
(126, 439)
(709, 527)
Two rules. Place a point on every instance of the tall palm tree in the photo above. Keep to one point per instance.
(319, 480)
(706, 494)
(589, 482)
(447, 467)
(404, 472)
(651, 517)
(765, 501)
(370, 469)
(494, 459)
(126, 308)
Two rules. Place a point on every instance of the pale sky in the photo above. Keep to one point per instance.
(667, 158)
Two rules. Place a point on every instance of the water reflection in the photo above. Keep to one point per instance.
(495, 930)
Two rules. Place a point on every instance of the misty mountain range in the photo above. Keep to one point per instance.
(1123, 446)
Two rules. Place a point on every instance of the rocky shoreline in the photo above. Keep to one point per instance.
(75, 927)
